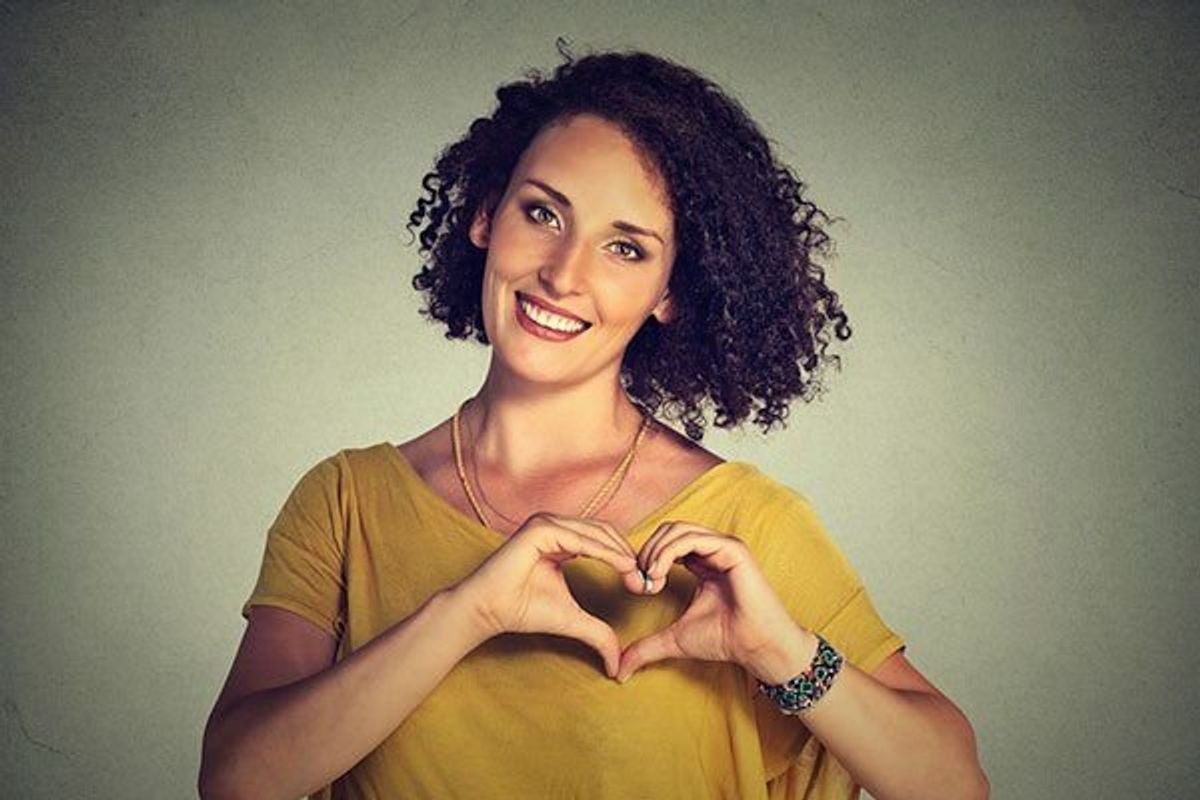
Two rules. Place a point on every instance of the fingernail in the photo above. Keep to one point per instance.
(622, 678)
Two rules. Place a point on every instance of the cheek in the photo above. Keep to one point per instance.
(624, 306)
(514, 252)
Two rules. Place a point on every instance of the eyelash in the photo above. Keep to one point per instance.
(638, 253)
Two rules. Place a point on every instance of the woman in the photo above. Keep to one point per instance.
(428, 616)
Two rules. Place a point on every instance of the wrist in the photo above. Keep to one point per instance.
(466, 614)
(786, 657)
(799, 693)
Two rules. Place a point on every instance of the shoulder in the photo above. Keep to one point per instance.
(343, 472)
(773, 515)
(428, 453)
(672, 452)
(668, 449)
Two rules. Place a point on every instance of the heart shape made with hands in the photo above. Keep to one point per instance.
(733, 615)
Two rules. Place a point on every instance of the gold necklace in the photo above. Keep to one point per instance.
(473, 475)
(592, 505)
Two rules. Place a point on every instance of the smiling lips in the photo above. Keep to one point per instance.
(547, 306)
(546, 324)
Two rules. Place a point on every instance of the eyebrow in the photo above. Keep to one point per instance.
(628, 227)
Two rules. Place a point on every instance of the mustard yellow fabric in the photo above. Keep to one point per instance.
(362, 541)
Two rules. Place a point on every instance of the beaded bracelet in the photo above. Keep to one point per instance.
(800, 693)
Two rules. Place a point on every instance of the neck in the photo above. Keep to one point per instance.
(544, 433)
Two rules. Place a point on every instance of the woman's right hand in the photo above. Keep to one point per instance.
(520, 588)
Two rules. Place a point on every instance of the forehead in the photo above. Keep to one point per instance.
(599, 168)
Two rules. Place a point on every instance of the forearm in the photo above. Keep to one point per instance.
(896, 744)
(291, 740)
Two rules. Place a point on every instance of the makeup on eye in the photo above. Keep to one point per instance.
(530, 209)
(619, 224)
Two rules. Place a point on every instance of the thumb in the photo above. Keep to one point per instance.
(655, 647)
(596, 632)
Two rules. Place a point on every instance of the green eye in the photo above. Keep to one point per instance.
(532, 209)
(635, 251)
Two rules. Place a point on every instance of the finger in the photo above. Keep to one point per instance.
(651, 584)
(651, 554)
(655, 647)
(634, 580)
(618, 536)
(609, 530)
(631, 576)
(597, 634)
(561, 540)
(600, 530)
(649, 545)
(695, 565)
(713, 551)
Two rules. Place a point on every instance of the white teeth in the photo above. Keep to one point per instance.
(552, 321)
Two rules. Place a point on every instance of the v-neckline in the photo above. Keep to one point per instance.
(631, 533)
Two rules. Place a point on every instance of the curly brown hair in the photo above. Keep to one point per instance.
(752, 310)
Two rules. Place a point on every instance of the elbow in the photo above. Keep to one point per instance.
(227, 775)
(212, 783)
(983, 789)
(215, 785)
(209, 788)
(217, 779)
(974, 783)
(974, 787)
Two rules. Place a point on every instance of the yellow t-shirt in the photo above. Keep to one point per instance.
(362, 541)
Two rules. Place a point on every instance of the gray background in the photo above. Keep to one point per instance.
(206, 290)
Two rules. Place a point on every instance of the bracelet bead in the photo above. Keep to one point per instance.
(800, 693)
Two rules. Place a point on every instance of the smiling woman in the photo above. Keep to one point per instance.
(428, 616)
(695, 198)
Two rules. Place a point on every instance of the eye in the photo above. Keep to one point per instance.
(635, 251)
(532, 210)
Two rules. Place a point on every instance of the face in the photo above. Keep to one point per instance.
(584, 225)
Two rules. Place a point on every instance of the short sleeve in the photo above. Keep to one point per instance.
(824, 594)
(815, 580)
(302, 565)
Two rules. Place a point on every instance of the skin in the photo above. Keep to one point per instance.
(546, 407)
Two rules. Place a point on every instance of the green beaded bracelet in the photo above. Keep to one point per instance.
(800, 693)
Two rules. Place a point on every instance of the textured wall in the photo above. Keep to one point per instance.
(205, 289)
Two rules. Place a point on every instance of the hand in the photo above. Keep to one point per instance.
(734, 614)
(520, 588)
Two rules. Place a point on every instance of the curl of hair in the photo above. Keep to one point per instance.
(753, 314)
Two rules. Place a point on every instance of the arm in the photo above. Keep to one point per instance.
(292, 739)
(905, 740)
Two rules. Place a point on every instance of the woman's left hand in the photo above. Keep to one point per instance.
(734, 614)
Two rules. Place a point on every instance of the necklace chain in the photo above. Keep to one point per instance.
(483, 495)
(592, 506)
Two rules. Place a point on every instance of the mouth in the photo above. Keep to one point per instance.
(546, 324)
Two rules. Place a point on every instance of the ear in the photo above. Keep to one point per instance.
(665, 310)
(481, 227)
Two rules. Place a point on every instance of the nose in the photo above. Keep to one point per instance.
(566, 267)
